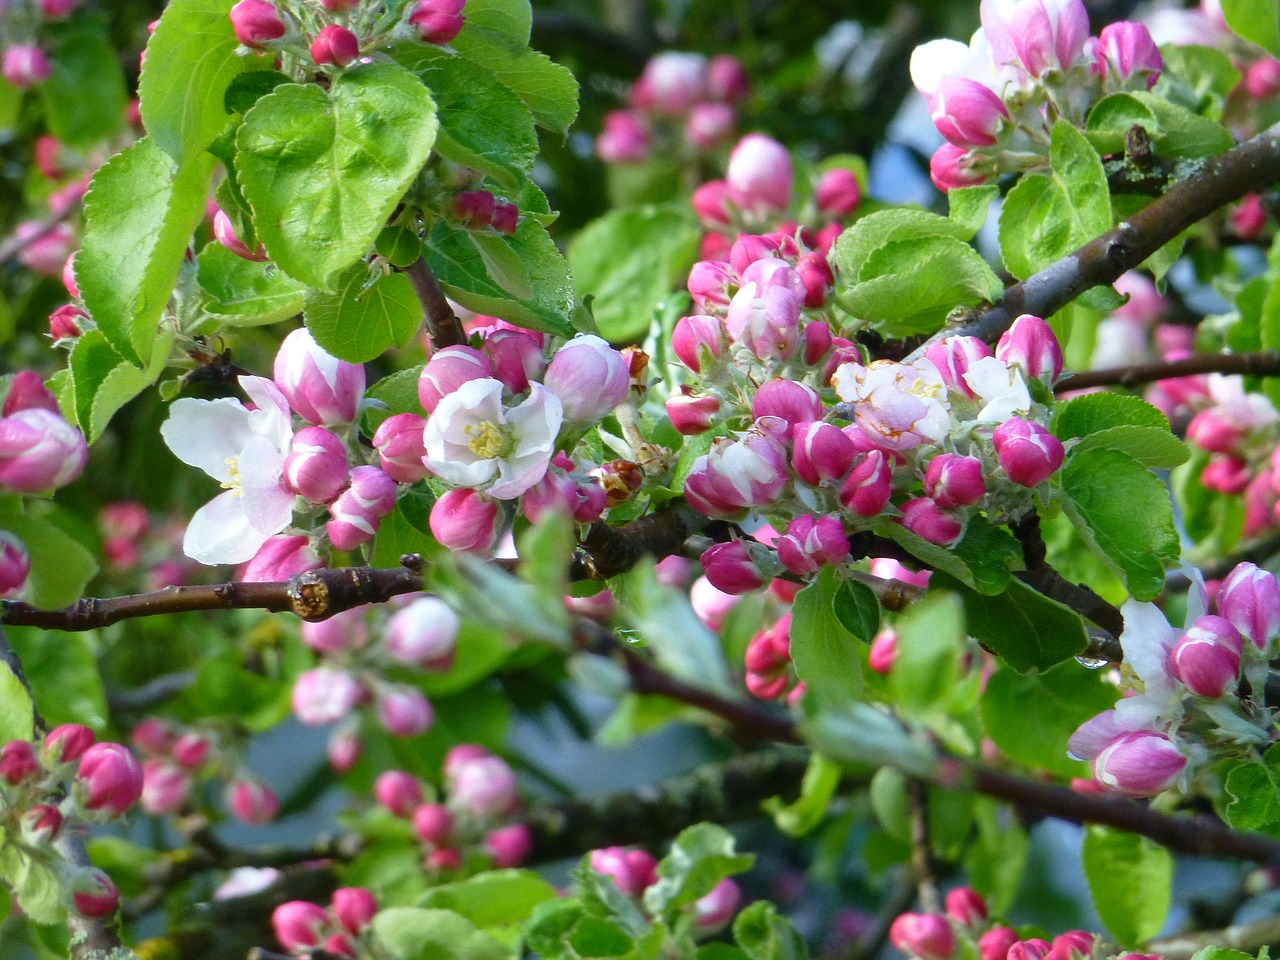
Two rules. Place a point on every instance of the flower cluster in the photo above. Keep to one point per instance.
(1181, 712)
(633, 871)
(43, 788)
(23, 62)
(301, 926)
(472, 816)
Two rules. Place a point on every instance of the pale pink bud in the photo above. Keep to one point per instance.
(715, 909)
(66, 743)
(1124, 51)
(709, 125)
(433, 823)
(336, 45)
(818, 278)
(671, 83)
(357, 512)
(629, 873)
(299, 925)
(710, 604)
(447, 370)
(966, 906)
(731, 569)
(953, 357)
(709, 284)
(589, 377)
(110, 778)
(93, 893)
(673, 571)
(759, 174)
(950, 169)
(25, 65)
(737, 474)
(509, 846)
(152, 736)
(166, 787)
(404, 712)
(225, 234)
(1028, 453)
(325, 695)
(320, 388)
(691, 414)
(787, 399)
(280, 558)
(1250, 600)
(811, 543)
(698, 341)
(954, 481)
(26, 392)
(343, 750)
(924, 935)
(484, 787)
(18, 761)
(884, 650)
(354, 908)
(40, 824)
(710, 203)
(398, 441)
(1249, 217)
(316, 465)
(1030, 344)
(461, 755)
(1215, 432)
(15, 564)
(925, 518)
(995, 943)
(1139, 764)
(624, 139)
(516, 358)
(1046, 35)
(473, 209)
(967, 113)
(39, 451)
(398, 791)
(751, 248)
(820, 451)
(866, 489)
(837, 192)
(465, 520)
(256, 22)
(64, 323)
(765, 321)
(424, 635)
(438, 21)
(1262, 78)
(726, 79)
(347, 630)
(1224, 474)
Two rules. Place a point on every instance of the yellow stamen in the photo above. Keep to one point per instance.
(488, 440)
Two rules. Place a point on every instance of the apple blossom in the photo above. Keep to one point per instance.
(898, 405)
(437, 21)
(398, 791)
(320, 388)
(589, 377)
(820, 451)
(736, 474)
(403, 711)
(109, 778)
(1139, 764)
(624, 138)
(424, 634)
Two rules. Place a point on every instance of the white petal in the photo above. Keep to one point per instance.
(272, 418)
(1146, 640)
(264, 500)
(221, 533)
(207, 433)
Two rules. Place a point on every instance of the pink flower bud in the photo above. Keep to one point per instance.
(709, 125)
(316, 465)
(509, 846)
(1030, 949)
(589, 377)
(398, 441)
(443, 858)
(671, 83)
(424, 635)
(691, 414)
(325, 695)
(152, 736)
(818, 278)
(818, 343)
(1262, 78)
(710, 204)
(630, 870)
(924, 935)
(765, 321)
(737, 474)
(925, 518)
(1225, 474)
(966, 907)
(40, 825)
(709, 284)
(1207, 657)
(726, 79)
(357, 512)
(820, 451)
(298, 925)
(624, 139)
(953, 357)
(811, 543)
(951, 168)
(398, 792)
(343, 631)
(759, 174)
(320, 388)
(93, 893)
(995, 943)
(256, 23)
(837, 192)
(64, 323)
(484, 787)
(1042, 34)
(1030, 344)
(438, 21)
(710, 604)
(404, 712)
(1249, 217)
(253, 802)
(731, 569)
(1139, 764)
(516, 358)
(166, 787)
(1028, 453)
(343, 750)
(1250, 600)
(866, 489)
(1215, 432)
(25, 65)
(354, 908)
(1126, 51)
(1079, 942)
(698, 341)
(506, 217)
(447, 370)
(954, 481)
(110, 778)
(39, 451)
(884, 650)
(57, 9)
(715, 909)
(279, 559)
(27, 392)
(788, 400)
(336, 45)
(191, 750)
(433, 823)
(749, 249)
(45, 248)
(18, 761)
(465, 520)
(893, 570)
(15, 564)
(472, 209)
(461, 755)
(967, 113)
(66, 743)
(225, 234)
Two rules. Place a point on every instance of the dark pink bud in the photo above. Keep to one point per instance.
(473, 209)
(316, 465)
(165, 787)
(924, 935)
(1207, 657)
(1249, 217)
(438, 21)
(817, 342)
(26, 392)
(995, 943)
(811, 543)
(711, 205)
(509, 846)
(1030, 344)
(726, 79)
(698, 341)
(1224, 474)
(110, 778)
(15, 564)
(1030, 949)
(817, 276)
(951, 168)
(627, 872)
(791, 401)
(866, 489)
(40, 824)
(691, 414)
(1262, 78)
(750, 248)
(624, 139)
(298, 925)
(759, 174)
(354, 908)
(954, 481)
(25, 65)
(152, 736)
(67, 743)
(1125, 51)
(65, 322)
(884, 650)
(357, 512)
(433, 823)
(1028, 453)
(93, 893)
(1139, 764)
(256, 22)
(57, 9)
(335, 45)
(18, 761)
(820, 451)
(731, 569)
(1075, 942)
(1215, 432)
(225, 234)
(252, 801)
(966, 906)
(715, 909)
(398, 791)
(925, 518)
(837, 192)
(191, 750)
(398, 441)
(465, 520)
(443, 858)
(506, 217)
(967, 113)
(516, 358)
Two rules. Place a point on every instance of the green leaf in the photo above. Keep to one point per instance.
(415, 933)
(1030, 716)
(854, 247)
(365, 315)
(983, 559)
(1131, 880)
(824, 652)
(85, 95)
(1046, 216)
(1257, 21)
(1151, 446)
(39, 891)
(405, 530)
(1255, 794)
(910, 286)
(764, 935)
(997, 857)
(1123, 511)
(548, 89)
(323, 170)
(1198, 78)
(243, 293)
(103, 381)
(191, 61)
(16, 719)
(858, 609)
(699, 858)
(1214, 521)
(139, 214)
(1269, 325)
(483, 124)
(493, 898)
(630, 261)
(62, 669)
(399, 392)
(1174, 130)
(60, 564)
(1026, 629)
(821, 777)
(543, 548)
(969, 206)
(1093, 412)
(930, 637)
(861, 735)
(603, 900)
(512, 19)
(1225, 953)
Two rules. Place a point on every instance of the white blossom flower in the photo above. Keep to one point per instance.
(899, 405)
(244, 450)
(1000, 387)
(472, 440)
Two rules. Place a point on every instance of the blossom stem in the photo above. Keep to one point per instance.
(443, 326)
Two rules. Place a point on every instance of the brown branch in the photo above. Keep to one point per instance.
(443, 326)
(1260, 363)
(922, 866)
(1044, 578)
(1252, 166)
(609, 551)
(1248, 937)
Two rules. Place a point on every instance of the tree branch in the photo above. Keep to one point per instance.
(1260, 363)
(922, 866)
(1248, 937)
(443, 326)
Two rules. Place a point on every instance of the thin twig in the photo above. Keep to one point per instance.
(922, 866)
(443, 326)
(1259, 363)
(1248, 937)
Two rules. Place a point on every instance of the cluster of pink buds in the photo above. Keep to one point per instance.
(302, 927)
(682, 103)
(480, 209)
(66, 777)
(1030, 60)
(25, 65)
(768, 663)
(39, 450)
(172, 758)
(475, 814)
(634, 871)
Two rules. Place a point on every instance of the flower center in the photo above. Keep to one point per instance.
(233, 467)
(489, 441)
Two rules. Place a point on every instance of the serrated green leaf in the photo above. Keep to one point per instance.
(1082, 416)
(1254, 787)
(1026, 629)
(62, 669)
(360, 320)
(548, 89)
(930, 635)
(416, 933)
(765, 935)
(85, 95)
(38, 891)
(983, 559)
(1257, 21)
(1150, 446)
(244, 293)
(16, 719)
(969, 206)
(824, 652)
(492, 898)
(103, 381)
(60, 564)
(1174, 130)
(512, 19)
(323, 170)
(699, 858)
(140, 211)
(1131, 880)
(854, 247)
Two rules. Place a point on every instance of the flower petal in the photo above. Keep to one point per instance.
(265, 501)
(221, 533)
(208, 434)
